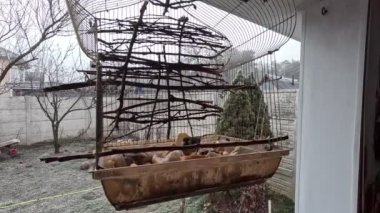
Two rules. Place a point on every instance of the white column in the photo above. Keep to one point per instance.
(329, 122)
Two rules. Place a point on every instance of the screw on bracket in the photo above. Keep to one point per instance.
(324, 10)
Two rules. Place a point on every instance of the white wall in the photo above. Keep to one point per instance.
(22, 118)
(330, 106)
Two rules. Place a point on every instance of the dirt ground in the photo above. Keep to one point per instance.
(28, 185)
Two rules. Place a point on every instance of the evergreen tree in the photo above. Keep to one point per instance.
(245, 116)
(245, 113)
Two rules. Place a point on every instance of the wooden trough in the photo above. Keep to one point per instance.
(129, 187)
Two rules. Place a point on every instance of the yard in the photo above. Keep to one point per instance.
(28, 185)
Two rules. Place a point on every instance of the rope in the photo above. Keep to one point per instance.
(4, 206)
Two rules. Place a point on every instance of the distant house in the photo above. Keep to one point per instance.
(15, 74)
(272, 83)
(20, 80)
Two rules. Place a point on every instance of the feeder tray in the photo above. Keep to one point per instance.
(130, 187)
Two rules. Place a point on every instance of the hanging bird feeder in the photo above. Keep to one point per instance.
(180, 137)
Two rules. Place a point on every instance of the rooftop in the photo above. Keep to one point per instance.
(7, 54)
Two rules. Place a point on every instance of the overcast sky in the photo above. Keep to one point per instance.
(247, 30)
(230, 25)
(290, 51)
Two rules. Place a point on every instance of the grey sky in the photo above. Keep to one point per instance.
(290, 51)
(230, 26)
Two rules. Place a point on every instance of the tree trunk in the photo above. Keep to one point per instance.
(55, 138)
(183, 206)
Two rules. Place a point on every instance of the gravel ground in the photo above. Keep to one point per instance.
(25, 178)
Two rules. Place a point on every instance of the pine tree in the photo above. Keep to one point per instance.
(245, 116)
(245, 113)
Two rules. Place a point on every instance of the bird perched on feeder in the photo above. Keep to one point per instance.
(93, 26)
(167, 5)
(189, 141)
(179, 139)
(184, 139)
(182, 21)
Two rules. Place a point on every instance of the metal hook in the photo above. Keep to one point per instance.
(324, 10)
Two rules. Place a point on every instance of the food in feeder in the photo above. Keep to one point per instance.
(157, 159)
(212, 155)
(182, 139)
(205, 151)
(113, 161)
(220, 149)
(242, 150)
(140, 158)
(175, 155)
(192, 156)
(171, 156)
(128, 159)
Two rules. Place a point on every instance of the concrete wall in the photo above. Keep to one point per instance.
(333, 51)
(21, 117)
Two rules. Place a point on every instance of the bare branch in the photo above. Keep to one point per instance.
(44, 108)
(59, 104)
(18, 23)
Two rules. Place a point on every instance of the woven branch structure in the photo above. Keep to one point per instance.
(173, 51)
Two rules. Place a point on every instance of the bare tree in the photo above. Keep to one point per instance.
(24, 26)
(59, 104)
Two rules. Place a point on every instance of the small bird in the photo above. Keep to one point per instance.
(172, 97)
(93, 27)
(134, 23)
(180, 138)
(183, 20)
(167, 5)
(190, 141)
(184, 139)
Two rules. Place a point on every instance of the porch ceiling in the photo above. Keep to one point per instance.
(255, 17)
